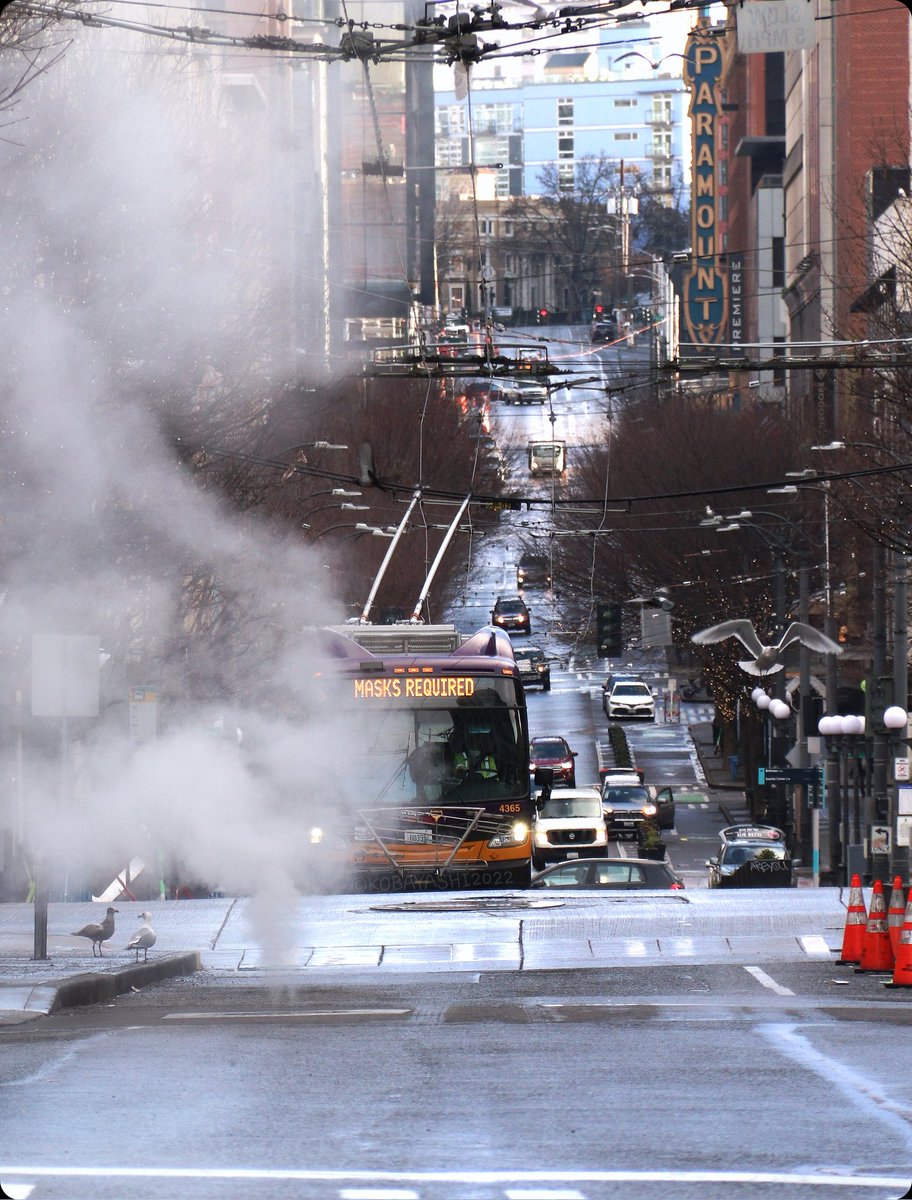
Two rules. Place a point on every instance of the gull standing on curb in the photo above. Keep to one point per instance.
(143, 938)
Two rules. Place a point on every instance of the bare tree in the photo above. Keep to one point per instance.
(570, 226)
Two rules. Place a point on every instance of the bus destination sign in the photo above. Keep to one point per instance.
(415, 687)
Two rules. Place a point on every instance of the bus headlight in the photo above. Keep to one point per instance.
(513, 836)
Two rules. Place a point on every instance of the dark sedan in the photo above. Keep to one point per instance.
(616, 874)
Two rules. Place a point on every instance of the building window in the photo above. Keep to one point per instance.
(485, 226)
(626, 136)
(565, 146)
(565, 177)
(779, 263)
(624, 103)
(506, 229)
(661, 108)
(509, 264)
(565, 112)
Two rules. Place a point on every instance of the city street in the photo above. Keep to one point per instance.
(483, 1046)
(598, 1047)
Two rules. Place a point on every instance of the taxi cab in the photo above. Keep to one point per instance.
(751, 856)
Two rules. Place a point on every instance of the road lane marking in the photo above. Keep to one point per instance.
(543, 1194)
(288, 1016)
(378, 1194)
(768, 981)
(778, 1179)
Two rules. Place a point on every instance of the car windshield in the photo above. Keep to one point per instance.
(559, 807)
(736, 856)
(528, 655)
(510, 606)
(626, 795)
(631, 689)
(549, 748)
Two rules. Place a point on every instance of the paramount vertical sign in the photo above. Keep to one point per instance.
(705, 301)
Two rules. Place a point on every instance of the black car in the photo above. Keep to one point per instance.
(510, 613)
(751, 856)
(627, 804)
(615, 874)
(534, 569)
(603, 330)
(534, 668)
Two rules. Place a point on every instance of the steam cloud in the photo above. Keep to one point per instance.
(139, 253)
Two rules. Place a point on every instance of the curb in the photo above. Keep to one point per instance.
(21, 1003)
(92, 988)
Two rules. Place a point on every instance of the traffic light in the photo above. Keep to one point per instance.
(609, 630)
(599, 309)
(542, 314)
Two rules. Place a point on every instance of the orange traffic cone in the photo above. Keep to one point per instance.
(902, 972)
(876, 951)
(896, 914)
(856, 919)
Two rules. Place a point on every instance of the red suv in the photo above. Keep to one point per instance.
(555, 753)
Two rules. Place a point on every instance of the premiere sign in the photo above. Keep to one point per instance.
(705, 301)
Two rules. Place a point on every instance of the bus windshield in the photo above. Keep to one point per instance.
(437, 755)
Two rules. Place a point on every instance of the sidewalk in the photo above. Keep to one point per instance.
(70, 975)
(728, 791)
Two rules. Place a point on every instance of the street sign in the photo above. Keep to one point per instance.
(806, 775)
(901, 769)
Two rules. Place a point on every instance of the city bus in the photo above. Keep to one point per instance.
(435, 787)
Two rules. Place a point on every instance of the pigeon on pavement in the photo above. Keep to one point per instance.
(767, 659)
(98, 933)
(143, 938)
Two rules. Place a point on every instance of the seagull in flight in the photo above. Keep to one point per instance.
(144, 938)
(767, 659)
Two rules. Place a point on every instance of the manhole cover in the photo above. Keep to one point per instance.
(467, 904)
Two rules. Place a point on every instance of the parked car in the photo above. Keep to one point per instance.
(566, 824)
(630, 699)
(534, 668)
(613, 874)
(526, 391)
(510, 613)
(554, 753)
(626, 805)
(751, 856)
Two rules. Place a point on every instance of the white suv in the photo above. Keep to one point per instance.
(568, 824)
(630, 698)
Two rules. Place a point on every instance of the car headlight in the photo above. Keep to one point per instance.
(540, 838)
(566, 764)
(649, 810)
(607, 809)
(520, 618)
(541, 668)
(316, 836)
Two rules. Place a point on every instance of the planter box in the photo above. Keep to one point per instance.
(654, 852)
